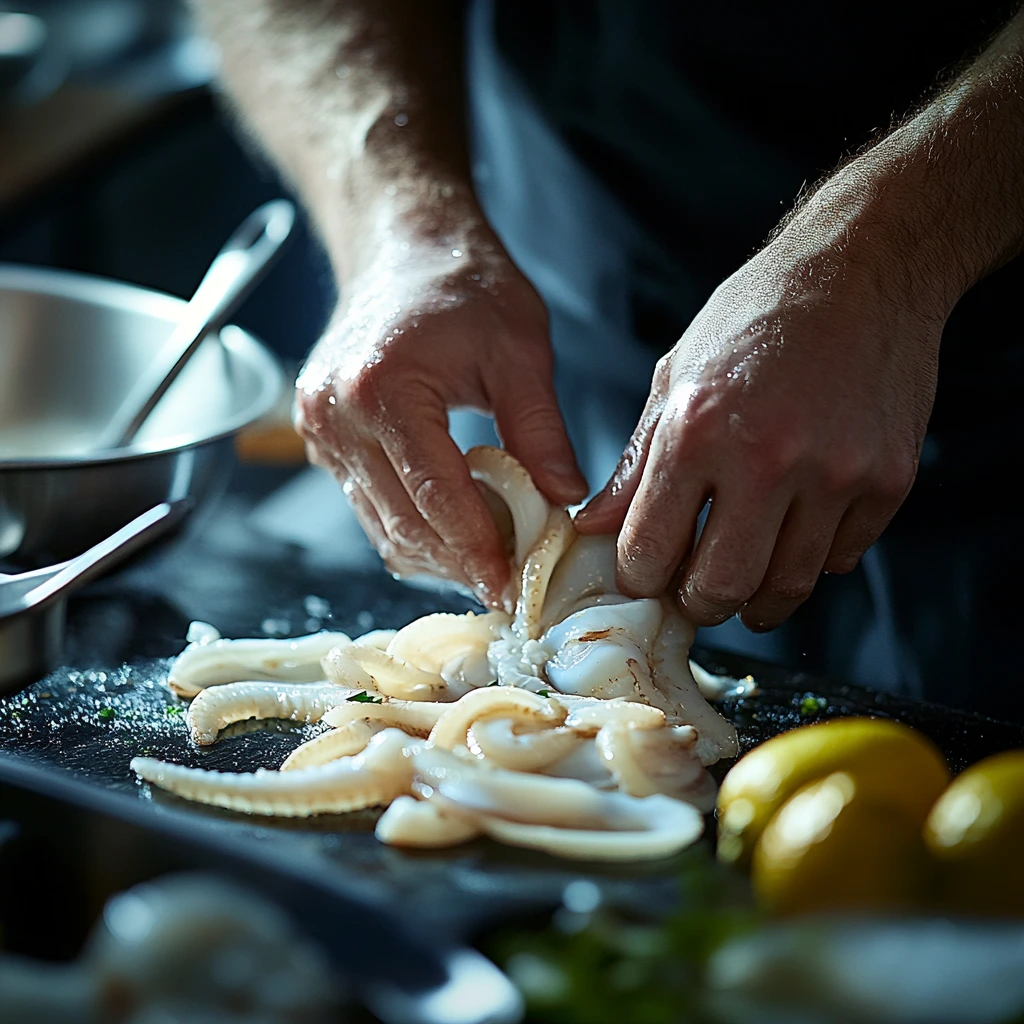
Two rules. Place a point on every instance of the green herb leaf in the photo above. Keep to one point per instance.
(364, 698)
(174, 709)
(544, 693)
(107, 714)
(812, 705)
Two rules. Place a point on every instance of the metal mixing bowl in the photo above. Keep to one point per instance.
(71, 346)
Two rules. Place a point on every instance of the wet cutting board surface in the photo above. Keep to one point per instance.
(87, 722)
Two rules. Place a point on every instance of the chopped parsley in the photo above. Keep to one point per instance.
(174, 709)
(364, 698)
(812, 705)
(544, 693)
(107, 714)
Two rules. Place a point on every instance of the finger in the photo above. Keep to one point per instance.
(410, 542)
(435, 476)
(732, 555)
(661, 523)
(607, 510)
(795, 565)
(531, 427)
(864, 522)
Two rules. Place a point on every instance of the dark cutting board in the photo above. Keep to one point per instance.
(86, 723)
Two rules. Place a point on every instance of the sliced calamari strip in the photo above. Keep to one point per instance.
(419, 823)
(562, 816)
(375, 776)
(502, 473)
(379, 638)
(536, 571)
(232, 661)
(329, 746)
(416, 717)
(453, 646)
(588, 714)
(507, 701)
(498, 742)
(218, 706)
(660, 827)
(395, 677)
(664, 761)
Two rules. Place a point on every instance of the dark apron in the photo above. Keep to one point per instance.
(627, 173)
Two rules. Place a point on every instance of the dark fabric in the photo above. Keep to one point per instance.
(704, 122)
(705, 119)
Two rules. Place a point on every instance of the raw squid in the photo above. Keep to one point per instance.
(570, 723)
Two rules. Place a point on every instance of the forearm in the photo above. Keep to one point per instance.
(939, 202)
(360, 103)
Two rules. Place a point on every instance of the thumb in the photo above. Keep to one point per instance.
(531, 428)
(606, 511)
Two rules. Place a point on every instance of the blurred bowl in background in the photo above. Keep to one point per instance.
(31, 67)
(71, 346)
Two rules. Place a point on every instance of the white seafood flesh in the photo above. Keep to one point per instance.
(451, 646)
(512, 744)
(603, 651)
(416, 718)
(503, 475)
(375, 776)
(420, 823)
(562, 816)
(571, 722)
(522, 705)
(232, 661)
(216, 708)
(335, 743)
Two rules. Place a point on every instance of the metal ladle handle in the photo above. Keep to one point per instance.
(100, 557)
(234, 272)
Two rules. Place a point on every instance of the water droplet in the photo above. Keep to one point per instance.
(456, 253)
(401, 120)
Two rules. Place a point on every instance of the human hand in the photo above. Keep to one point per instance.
(425, 328)
(797, 402)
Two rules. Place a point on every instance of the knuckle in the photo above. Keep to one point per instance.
(896, 478)
(772, 462)
(539, 419)
(790, 588)
(312, 412)
(715, 594)
(364, 391)
(433, 496)
(843, 474)
(407, 533)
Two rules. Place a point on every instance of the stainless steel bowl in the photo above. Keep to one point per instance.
(71, 346)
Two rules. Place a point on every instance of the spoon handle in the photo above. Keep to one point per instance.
(234, 272)
(100, 557)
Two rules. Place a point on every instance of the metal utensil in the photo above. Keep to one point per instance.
(234, 272)
(32, 603)
(73, 347)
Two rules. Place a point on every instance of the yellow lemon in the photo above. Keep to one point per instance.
(885, 758)
(832, 847)
(976, 832)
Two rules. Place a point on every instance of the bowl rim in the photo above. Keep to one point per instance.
(132, 298)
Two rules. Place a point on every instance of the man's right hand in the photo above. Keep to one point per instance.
(430, 326)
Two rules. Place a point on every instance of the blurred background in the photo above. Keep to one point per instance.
(116, 159)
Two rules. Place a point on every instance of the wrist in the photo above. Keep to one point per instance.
(879, 226)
